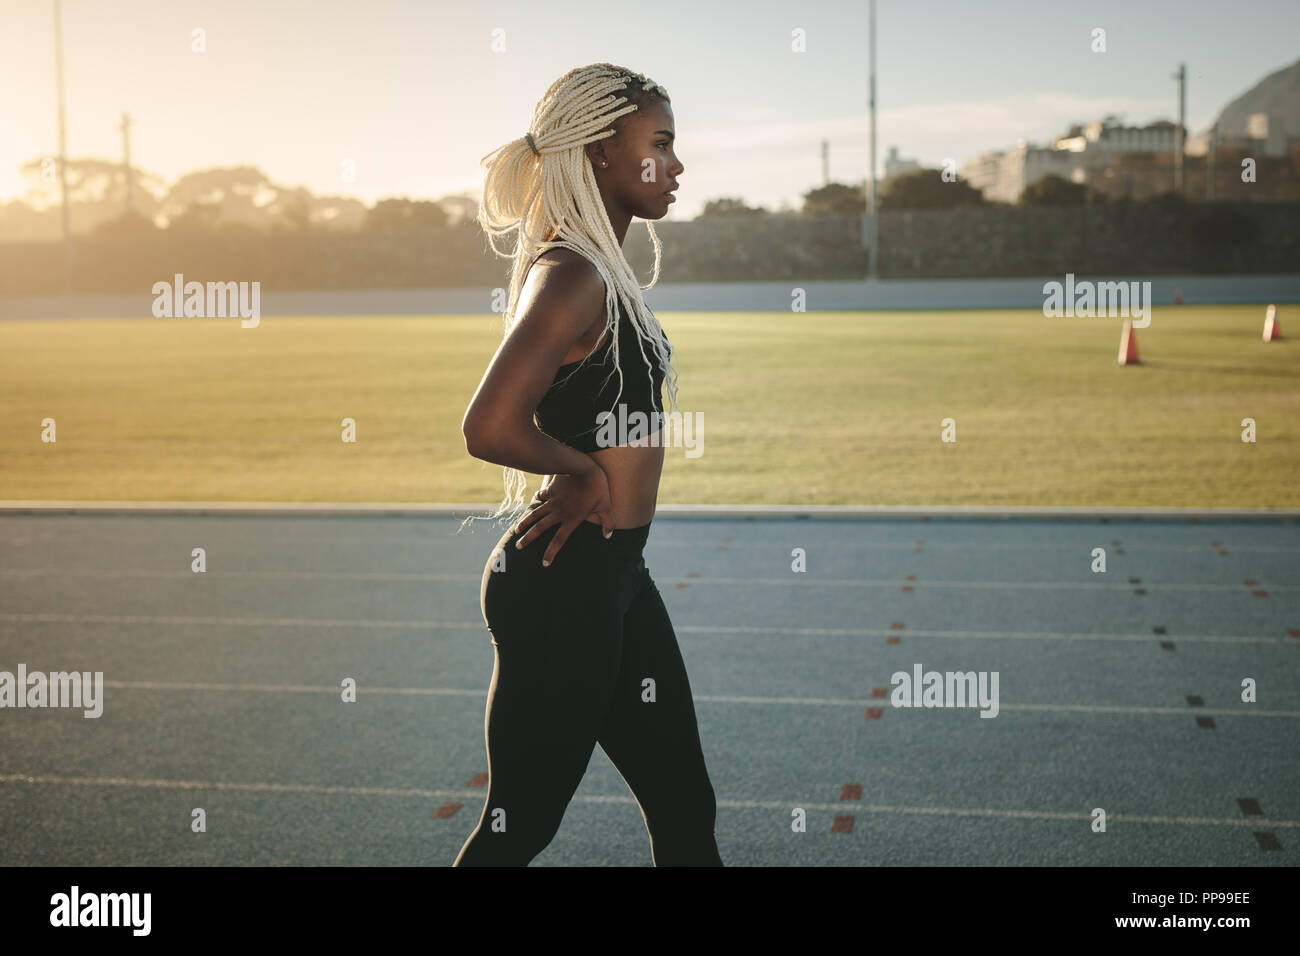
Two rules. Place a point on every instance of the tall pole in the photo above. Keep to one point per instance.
(873, 261)
(1181, 77)
(1214, 158)
(126, 156)
(826, 162)
(63, 143)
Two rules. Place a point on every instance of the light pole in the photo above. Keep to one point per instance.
(63, 145)
(1181, 77)
(873, 231)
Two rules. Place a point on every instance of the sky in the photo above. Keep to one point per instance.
(412, 93)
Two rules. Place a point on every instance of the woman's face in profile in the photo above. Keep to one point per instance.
(643, 163)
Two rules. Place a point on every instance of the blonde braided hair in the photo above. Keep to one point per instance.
(542, 185)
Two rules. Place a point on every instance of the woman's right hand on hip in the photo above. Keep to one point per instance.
(567, 500)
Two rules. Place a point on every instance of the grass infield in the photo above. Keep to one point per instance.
(811, 408)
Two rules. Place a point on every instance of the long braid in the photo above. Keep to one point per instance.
(542, 185)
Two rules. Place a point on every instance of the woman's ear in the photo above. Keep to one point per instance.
(596, 153)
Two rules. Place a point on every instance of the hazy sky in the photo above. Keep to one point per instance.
(413, 94)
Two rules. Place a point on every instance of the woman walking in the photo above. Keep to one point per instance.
(585, 653)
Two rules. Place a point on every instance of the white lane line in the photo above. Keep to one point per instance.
(743, 512)
(270, 574)
(844, 806)
(708, 545)
(792, 581)
(239, 621)
(882, 702)
(1151, 586)
(679, 628)
(332, 690)
(979, 635)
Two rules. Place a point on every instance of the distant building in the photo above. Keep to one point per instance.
(1086, 154)
(895, 166)
(1270, 131)
(1002, 176)
(1105, 136)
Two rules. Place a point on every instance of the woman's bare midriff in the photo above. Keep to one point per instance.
(633, 473)
(633, 470)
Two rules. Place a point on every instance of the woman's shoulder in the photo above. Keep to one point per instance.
(572, 276)
(569, 263)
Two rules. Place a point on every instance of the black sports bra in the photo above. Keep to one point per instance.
(569, 409)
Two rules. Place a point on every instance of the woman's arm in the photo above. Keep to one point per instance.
(557, 305)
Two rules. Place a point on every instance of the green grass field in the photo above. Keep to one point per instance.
(813, 408)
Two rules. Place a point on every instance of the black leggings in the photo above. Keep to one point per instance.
(577, 644)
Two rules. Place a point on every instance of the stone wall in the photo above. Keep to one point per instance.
(994, 241)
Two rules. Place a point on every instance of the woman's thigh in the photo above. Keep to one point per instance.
(654, 739)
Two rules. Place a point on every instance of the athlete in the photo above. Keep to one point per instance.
(585, 653)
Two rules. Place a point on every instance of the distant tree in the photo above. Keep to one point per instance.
(460, 208)
(927, 189)
(92, 181)
(728, 206)
(1169, 199)
(1224, 226)
(96, 189)
(234, 193)
(404, 214)
(197, 217)
(1052, 190)
(130, 223)
(292, 211)
(834, 199)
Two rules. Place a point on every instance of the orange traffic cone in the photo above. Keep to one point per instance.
(1272, 330)
(1128, 345)
(1178, 297)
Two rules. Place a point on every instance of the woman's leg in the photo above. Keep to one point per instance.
(656, 745)
(555, 634)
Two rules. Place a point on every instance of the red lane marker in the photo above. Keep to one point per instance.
(891, 640)
(907, 587)
(1260, 593)
(1250, 807)
(1294, 632)
(478, 780)
(880, 692)
(1222, 551)
(873, 713)
(1267, 841)
(446, 810)
(898, 626)
(728, 540)
(1248, 582)
(1214, 544)
(910, 577)
(843, 823)
(680, 586)
(851, 791)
